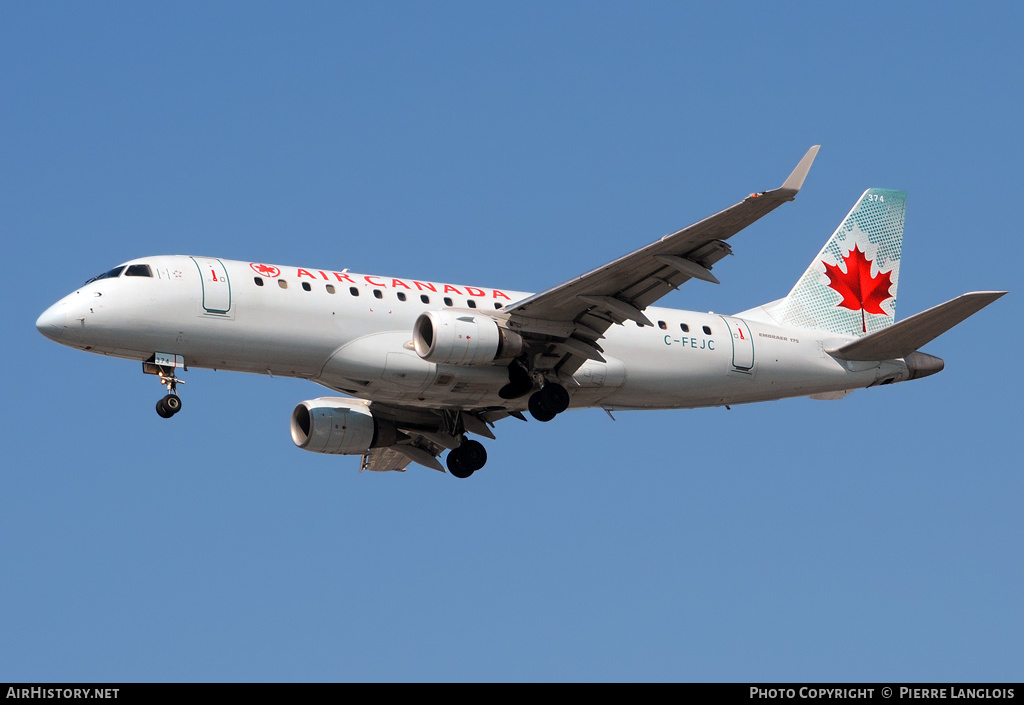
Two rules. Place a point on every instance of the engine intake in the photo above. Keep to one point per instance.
(339, 426)
(459, 338)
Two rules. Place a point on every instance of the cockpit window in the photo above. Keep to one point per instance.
(139, 270)
(115, 272)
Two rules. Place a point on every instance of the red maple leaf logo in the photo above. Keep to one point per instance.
(860, 291)
(265, 270)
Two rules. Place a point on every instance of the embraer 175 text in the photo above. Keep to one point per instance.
(425, 363)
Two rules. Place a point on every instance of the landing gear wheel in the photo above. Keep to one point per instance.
(168, 406)
(539, 408)
(172, 402)
(474, 455)
(455, 466)
(558, 397)
(466, 459)
(550, 401)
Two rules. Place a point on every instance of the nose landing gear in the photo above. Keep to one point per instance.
(163, 365)
(170, 404)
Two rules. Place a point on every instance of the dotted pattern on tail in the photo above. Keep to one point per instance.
(876, 224)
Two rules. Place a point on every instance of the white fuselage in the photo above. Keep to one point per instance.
(353, 332)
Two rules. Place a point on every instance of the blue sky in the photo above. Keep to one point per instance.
(870, 539)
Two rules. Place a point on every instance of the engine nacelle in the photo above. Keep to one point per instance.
(339, 426)
(463, 338)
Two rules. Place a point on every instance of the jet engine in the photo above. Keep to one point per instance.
(462, 338)
(339, 426)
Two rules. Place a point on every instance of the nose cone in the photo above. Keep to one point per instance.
(53, 322)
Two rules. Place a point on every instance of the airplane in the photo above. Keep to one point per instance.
(423, 364)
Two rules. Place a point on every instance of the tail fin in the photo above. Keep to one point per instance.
(850, 287)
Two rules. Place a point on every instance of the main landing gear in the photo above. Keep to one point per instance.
(469, 457)
(545, 404)
(549, 402)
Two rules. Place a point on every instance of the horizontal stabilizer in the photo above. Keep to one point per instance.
(901, 339)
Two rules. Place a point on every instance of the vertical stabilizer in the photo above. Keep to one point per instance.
(850, 287)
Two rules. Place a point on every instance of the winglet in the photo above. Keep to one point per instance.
(796, 179)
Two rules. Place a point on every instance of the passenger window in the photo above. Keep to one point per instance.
(258, 281)
(662, 325)
(282, 283)
(497, 304)
(306, 286)
(378, 293)
(401, 296)
(330, 288)
(471, 303)
(424, 298)
(138, 270)
(354, 291)
(707, 330)
(447, 301)
(683, 327)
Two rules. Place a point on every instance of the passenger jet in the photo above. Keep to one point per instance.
(423, 364)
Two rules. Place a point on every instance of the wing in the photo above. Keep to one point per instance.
(426, 433)
(563, 324)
